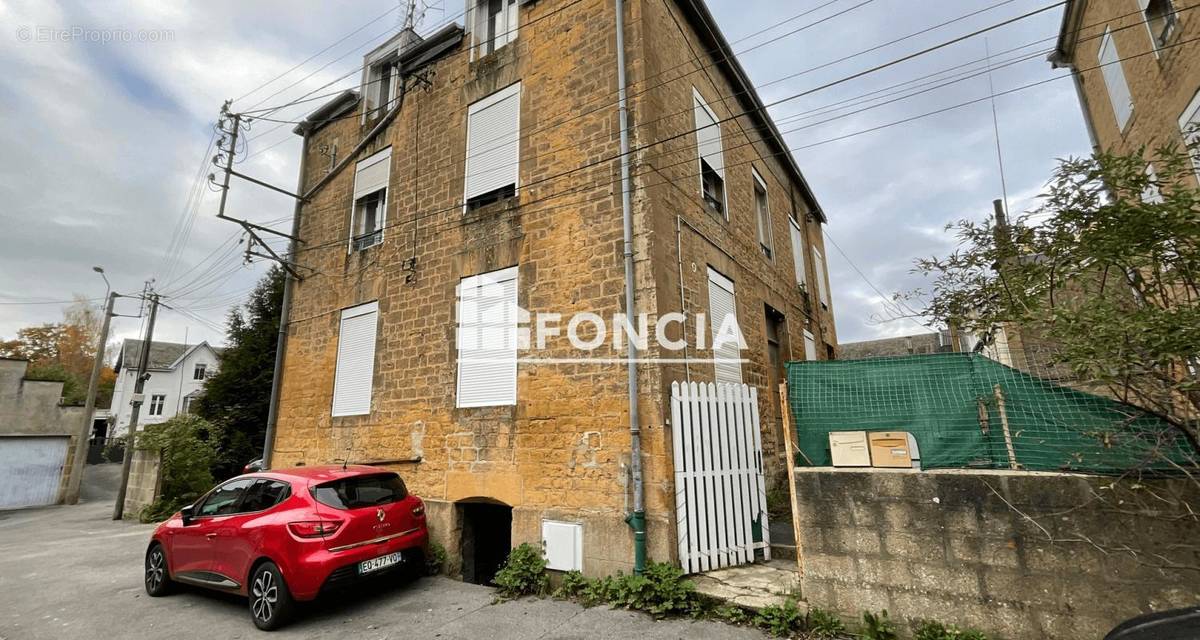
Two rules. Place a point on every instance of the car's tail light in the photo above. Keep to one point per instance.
(314, 528)
(419, 510)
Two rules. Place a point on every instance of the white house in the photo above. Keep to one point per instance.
(177, 374)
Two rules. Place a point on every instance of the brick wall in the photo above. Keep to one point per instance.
(1015, 554)
(562, 451)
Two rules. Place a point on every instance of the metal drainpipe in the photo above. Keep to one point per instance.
(637, 519)
(284, 315)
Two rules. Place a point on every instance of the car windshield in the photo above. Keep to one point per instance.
(361, 491)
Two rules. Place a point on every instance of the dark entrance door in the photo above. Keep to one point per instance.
(486, 539)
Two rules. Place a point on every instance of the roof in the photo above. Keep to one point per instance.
(706, 27)
(1068, 34)
(163, 355)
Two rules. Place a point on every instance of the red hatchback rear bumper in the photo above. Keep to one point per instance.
(322, 569)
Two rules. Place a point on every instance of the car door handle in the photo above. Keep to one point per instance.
(210, 536)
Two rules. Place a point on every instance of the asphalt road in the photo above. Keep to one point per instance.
(71, 572)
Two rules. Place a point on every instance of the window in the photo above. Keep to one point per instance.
(263, 495)
(762, 213)
(361, 491)
(200, 371)
(798, 251)
(822, 277)
(776, 331)
(810, 346)
(156, 404)
(495, 25)
(379, 89)
(493, 148)
(1114, 80)
(712, 160)
(487, 339)
(1160, 20)
(187, 405)
(1151, 194)
(355, 360)
(369, 214)
(224, 499)
(1189, 126)
(722, 309)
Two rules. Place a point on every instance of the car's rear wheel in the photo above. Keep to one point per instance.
(271, 604)
(158, 579)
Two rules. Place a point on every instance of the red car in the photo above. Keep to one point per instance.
(286, 536)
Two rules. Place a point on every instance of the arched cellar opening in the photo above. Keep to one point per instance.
(486, 538)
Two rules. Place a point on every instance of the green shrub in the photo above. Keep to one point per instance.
(824, 624)
(435, 560)
(523, 574)
(780, 620)
(731, 614)
(933, 630)
(573, 586)
(660, 590)
(598, 591)
(878, 626)
(188, 447)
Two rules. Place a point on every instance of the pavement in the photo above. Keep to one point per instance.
(71, 572)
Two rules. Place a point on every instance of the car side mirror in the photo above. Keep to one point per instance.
(187, 513)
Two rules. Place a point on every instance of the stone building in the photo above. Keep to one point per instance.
(1136, 65)
(477, 171)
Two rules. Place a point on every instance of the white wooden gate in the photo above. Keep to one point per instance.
(720, 494)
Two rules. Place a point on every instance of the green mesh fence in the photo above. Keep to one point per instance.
(951, 403)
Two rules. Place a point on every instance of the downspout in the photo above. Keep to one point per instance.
(637, 519)
(284, 315)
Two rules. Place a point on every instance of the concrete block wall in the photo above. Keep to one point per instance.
(1015, 554)
(145, 481)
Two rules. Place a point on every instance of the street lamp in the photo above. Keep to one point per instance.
(100, 270)
(75, 478)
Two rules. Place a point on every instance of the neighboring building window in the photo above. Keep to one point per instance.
(355, 370)
(369, 215)
(157, 401)
(1152, 194)
(762, 213)
(810, 346)
(822, 277)
(379, 88)
(495, 25)
(722, 309)
(1114, 80)
(487, 339)
(200, 371)
(1160, 20)
(1189, 126)
(493, 148)
(798, 251)
(187, 405)
(712, 160)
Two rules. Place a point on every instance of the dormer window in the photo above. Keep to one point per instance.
(494, 25)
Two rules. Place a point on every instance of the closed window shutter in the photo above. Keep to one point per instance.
(493, 142)
(821, 276)
(1114, 80)
(1189, 126)
(708, 136)
(487, 339)
(371, 174)
(810, 346)
(355, 361)
(798, 252)
(722, 303)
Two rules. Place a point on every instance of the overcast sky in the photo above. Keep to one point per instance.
(104, 140)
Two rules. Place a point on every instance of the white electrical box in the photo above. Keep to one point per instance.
(137, 398)
(849, 449)
(564, 545)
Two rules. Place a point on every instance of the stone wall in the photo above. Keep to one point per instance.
(1015, 554)
(145, 481)
(32, 407)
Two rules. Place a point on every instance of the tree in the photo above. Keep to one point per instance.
(63, 352)
(1107, 270)
(238, 397)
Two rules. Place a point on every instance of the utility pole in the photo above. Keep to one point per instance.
(143, 364)
(81, 444)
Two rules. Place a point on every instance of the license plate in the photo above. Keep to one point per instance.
(382, 562)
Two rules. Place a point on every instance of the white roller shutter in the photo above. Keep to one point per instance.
(798, 252)
(810, 346)
(493, 142)
(355, 360)
(487, 339)
(708, 136)
(821, 276)
(371, 174)
(723, 303)
(1114, 80)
